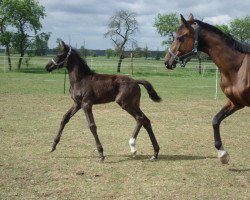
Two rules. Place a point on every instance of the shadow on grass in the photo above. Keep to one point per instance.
(146, 158)
(239, 170)
(164, 157)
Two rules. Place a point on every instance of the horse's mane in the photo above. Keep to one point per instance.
(84, 68)
(226, 37)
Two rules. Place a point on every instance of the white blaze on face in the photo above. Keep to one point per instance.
(132, 143)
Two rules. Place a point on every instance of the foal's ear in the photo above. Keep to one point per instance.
(186, 24)
(63, 46)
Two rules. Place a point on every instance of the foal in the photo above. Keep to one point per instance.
(88, 88)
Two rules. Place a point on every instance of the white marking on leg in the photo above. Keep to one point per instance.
(132, 143)
(221, 152)
(223, 155)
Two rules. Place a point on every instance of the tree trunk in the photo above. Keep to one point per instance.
(20, 60)
(8, 55)
(119, 63)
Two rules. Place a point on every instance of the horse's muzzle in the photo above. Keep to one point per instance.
(168, 65)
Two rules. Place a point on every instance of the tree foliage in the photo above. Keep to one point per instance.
(240, 29)
(40, 45)
(21, 18)
(166, 25)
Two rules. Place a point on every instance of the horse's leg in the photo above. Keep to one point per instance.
(64, 121)
(87, 107)
(227, 110)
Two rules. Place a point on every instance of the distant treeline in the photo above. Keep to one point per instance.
(98, 52)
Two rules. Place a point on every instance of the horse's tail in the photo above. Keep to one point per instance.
(151, 91)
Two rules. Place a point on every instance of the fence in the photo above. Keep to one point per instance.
(129, 66)
(104, 65)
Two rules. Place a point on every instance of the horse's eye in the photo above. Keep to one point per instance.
(180, 38)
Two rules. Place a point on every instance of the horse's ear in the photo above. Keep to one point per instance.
(186, 24)
(191, 17)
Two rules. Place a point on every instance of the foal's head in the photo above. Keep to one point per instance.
(61, 59)
(183, 44)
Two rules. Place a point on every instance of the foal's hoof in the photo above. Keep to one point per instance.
(223, 156)
(101, 159)
(52, 149)
(153, 158)
(134, 153)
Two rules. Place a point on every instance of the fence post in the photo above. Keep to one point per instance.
(4, 63)
(216, 84)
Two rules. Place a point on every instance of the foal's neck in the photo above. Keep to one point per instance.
(78, 69)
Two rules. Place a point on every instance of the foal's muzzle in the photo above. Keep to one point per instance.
(50, 67)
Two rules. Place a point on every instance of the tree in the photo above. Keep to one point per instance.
(40, 44)
(146, 52)
(224, 28)
(166, 25)
(23, 17)
(138, 52)
(109, 53)
(121, 29)
(240, 29)
(5, 36)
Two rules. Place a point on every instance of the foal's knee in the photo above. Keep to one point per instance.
(92, 128)
(145, 120)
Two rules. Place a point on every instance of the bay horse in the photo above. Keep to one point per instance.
(231, 57)
(88, 88)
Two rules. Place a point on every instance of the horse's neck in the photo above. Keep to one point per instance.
(225, 57)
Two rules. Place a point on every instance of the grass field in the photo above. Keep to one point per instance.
(31, 108)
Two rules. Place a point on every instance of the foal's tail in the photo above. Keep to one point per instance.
(151, 91)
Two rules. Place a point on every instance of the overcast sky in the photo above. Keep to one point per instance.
(76, 21)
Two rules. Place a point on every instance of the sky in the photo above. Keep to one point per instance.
(84, 22)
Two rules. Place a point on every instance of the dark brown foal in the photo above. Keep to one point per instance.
(88, 88)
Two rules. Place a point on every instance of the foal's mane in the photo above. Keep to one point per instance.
(227, 38)
(84, 68)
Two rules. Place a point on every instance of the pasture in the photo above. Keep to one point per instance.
(32, 106)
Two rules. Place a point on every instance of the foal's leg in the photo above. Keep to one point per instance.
(64, 121)
(142, 120)
(227, 110)
(147, 126)
(132, 141)
(87, 107)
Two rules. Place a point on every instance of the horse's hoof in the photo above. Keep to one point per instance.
(224, 157)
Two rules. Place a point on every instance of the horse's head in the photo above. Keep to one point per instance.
(185, 44)
(61, 59)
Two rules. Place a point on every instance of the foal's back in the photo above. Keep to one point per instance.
(104, 88)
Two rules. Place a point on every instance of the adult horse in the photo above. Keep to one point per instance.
(231, 57)
(88, 88)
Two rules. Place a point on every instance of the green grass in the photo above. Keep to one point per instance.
(31, 108)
